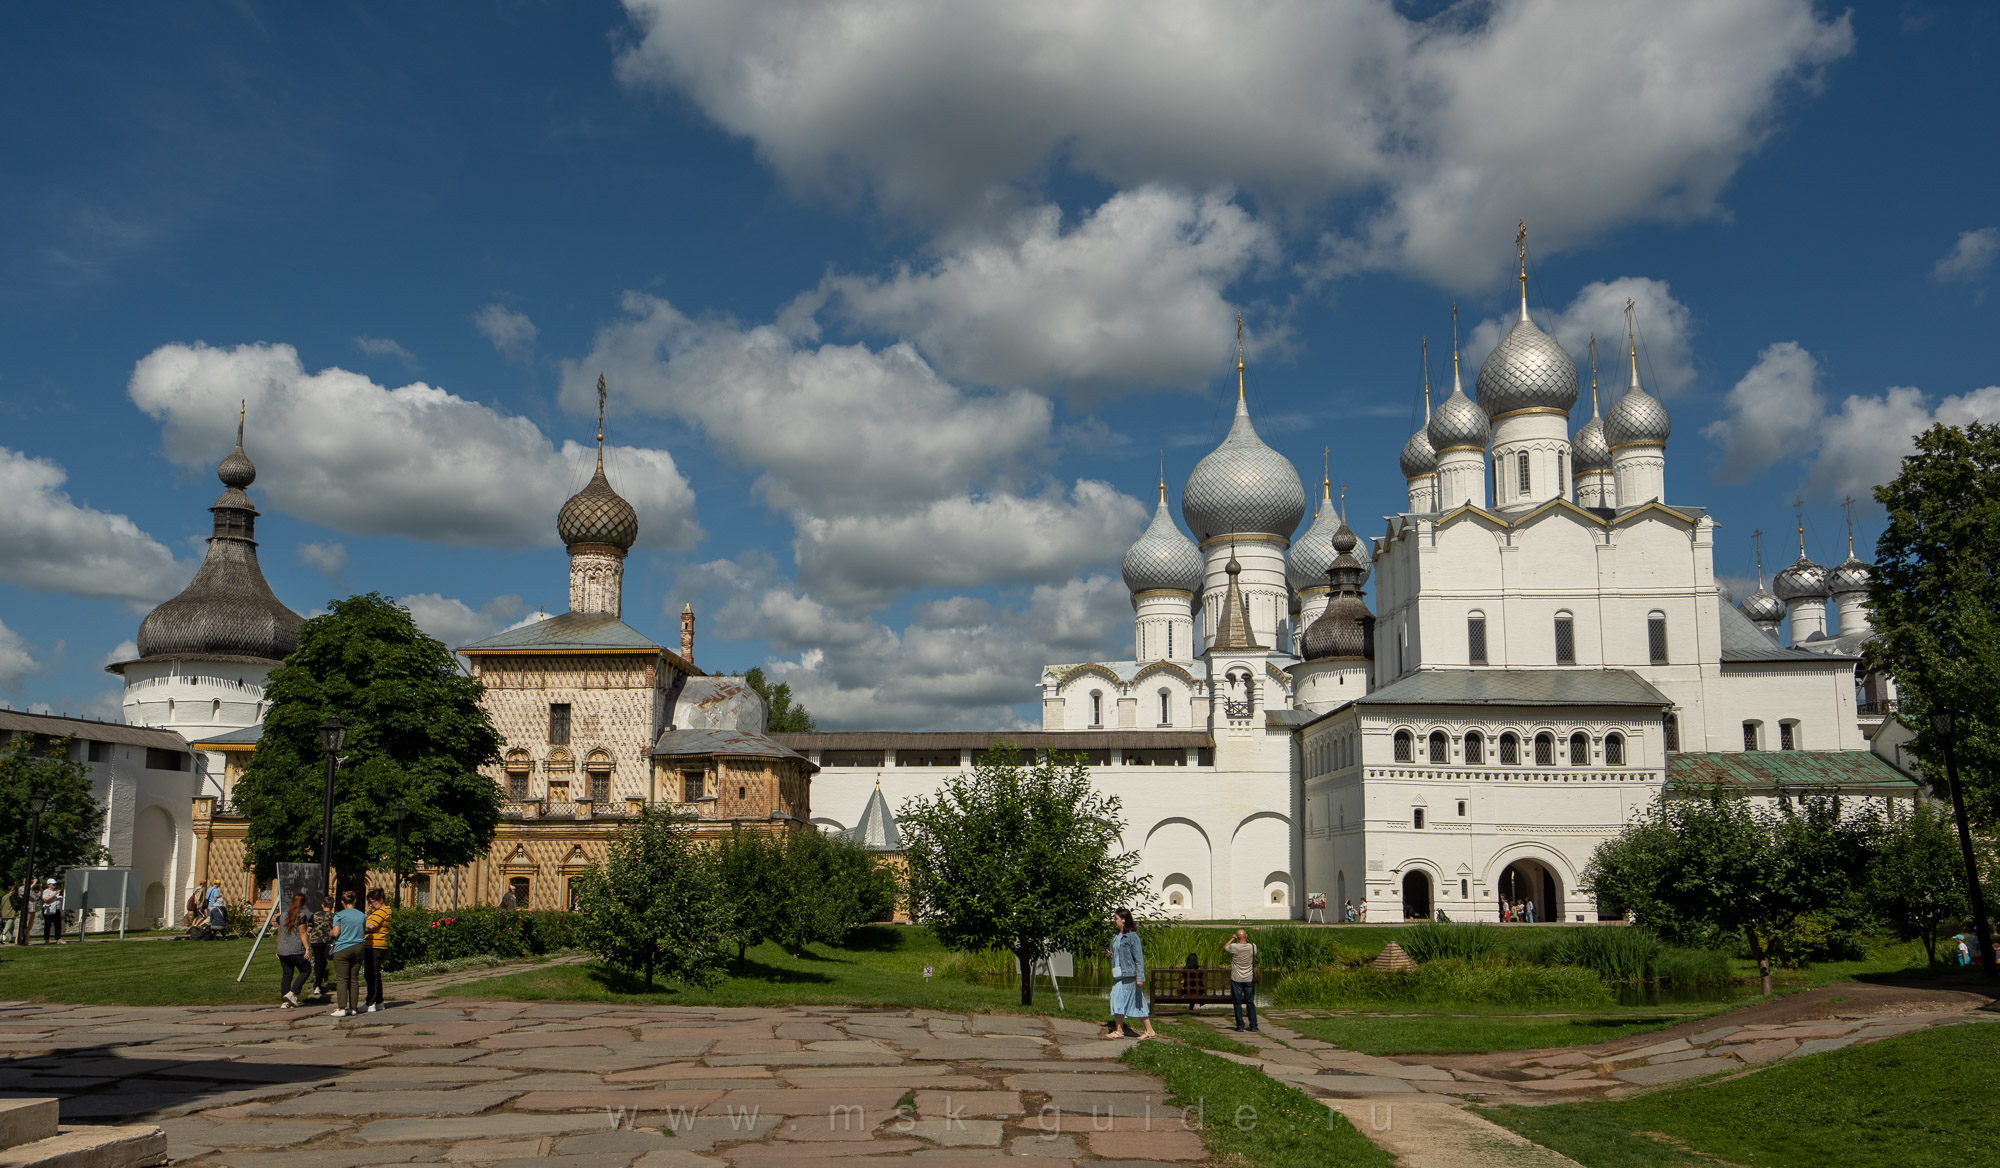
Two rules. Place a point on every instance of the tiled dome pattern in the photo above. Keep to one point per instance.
(1243, 487)
(1528, 369)
(598, 514)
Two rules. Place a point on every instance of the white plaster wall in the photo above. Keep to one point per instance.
(1262, 580)
(200, 699)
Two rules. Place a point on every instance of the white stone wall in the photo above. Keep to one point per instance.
(1543, 435)
(1067, 700)
(1163, 626)
(1262, 580)
(616, 702)
(197, 699)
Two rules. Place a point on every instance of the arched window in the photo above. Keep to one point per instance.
(1579, 749)
(1562, 471)
(1750, 730)
(1170, 643)
(1565, 639)
(1510, 749)
(1166, 713)
(1670, 731)
(1417, 818)
(1788, 735)
(1096, 707)
(1521, 470)
(1545, 749)
(1475, 748)
(1614, 750)
(1475, 638)
(1406, 745)
(1656, 637)
(1440, 747)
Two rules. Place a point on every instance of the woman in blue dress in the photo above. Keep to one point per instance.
(1128, 977)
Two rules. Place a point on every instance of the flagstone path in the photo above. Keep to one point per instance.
(580, 1085)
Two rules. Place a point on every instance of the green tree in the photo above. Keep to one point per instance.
(799, 888)
(71, 823)
(657, 906)
(1935, 597)
(1696, 869)
(1018, 857)
(783, 714)
(1916, 879)
(416, 733)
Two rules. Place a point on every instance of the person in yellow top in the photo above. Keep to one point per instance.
(376, 930)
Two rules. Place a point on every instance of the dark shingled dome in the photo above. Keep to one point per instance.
(598, 514)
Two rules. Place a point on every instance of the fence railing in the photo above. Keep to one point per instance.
(1876, 709)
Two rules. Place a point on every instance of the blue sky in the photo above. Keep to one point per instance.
(899, 311)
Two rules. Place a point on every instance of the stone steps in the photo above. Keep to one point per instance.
(31, 1136)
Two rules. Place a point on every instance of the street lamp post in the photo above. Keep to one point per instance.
(332, 736)
(37, 799)
(1942, 726)
(401, 811)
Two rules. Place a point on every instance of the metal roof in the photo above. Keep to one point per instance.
(1768, 769)
(1519, 687)
(732, 743)
(877, 829)
(983, 739)
(248, 736)
(571, 630)
(91, 730)
(1742, 640)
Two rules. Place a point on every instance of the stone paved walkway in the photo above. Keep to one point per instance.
(579, 1085)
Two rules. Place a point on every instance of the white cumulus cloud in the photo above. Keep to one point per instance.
(511, 332)
(328, 557)
(338, 449)
(1969, 258)
(1131, 295)
(17, 661)
(1439, 133)
(457, 623)
(1778, 414)
(51, 543)
(385, 347)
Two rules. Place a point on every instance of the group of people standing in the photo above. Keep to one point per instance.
(1517, 911)
(346, 942)
(28, 905)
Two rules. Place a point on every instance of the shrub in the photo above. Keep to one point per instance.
(1287, 948)
(422, 937)
(1692, 967)
(1615, 954)
(1445, 982)
(1437, 940)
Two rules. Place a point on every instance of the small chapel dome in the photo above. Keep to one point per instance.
(1762, 607)
(598, 514)
(1589, 450)
(1459, 424)
(1637, 420)
(1163, 558)
(1850, 575)
(1418, 457)
(1804, 580)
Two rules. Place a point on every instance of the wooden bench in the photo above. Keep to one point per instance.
(1178, 985)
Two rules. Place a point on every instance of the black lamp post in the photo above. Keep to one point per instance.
(37, 800)
(1942, 726)
(332, 736)
(401, 811)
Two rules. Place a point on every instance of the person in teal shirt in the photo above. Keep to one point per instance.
(348, 925)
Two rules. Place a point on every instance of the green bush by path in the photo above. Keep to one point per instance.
(1915, 1101)
(422, 937)
(1247, 1117)
(1445, 982)
(1436, 940)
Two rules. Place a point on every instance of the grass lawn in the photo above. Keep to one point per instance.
(1906, 1102)
(1247, 1117)
(1199, 1034)
(139, 973)
(880, 966)
(1461, 1033)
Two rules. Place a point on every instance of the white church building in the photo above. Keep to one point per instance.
(1552, 651)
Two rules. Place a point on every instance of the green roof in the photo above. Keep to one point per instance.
(1519, 687)
(1765, 770)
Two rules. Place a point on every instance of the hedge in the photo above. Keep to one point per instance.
(421, 937)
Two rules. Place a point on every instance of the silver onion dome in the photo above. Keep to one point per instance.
(598, 514)
(1850, 575)
(1762, 607)
(1163, 558)
(1313, 553)
(1804, 580)
(1589, 451)
(1243, 487)
(1527, 370)
(1418, 457)
(1637, 420)
(1458, 424)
